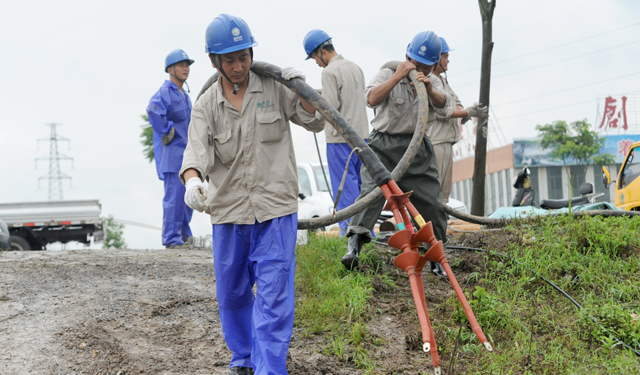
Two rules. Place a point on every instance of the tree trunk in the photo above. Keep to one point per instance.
(479, 169)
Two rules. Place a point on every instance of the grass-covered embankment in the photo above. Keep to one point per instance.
(534, 329)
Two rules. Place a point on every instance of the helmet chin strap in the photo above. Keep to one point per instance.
(443, 71)
(217, 61)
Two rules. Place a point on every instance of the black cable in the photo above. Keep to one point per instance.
(554, 286)
(326, 181)
(557, 288)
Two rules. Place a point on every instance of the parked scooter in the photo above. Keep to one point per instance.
(525, 194)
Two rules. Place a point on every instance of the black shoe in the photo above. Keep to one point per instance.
(350, 259)
(438, 270)
(241, 371)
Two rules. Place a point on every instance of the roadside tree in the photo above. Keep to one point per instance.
(115, 237)
(573, 142)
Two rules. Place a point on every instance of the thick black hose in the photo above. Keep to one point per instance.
(554, 286)
(366, 155)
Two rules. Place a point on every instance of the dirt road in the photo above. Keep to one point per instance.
(123, 312)
(112, 312)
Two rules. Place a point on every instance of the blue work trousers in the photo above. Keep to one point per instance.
(337, 155)
(176, 214)
(257, 329)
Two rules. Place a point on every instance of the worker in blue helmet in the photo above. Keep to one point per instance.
(169, 113)
(443, 128)
(394, 99)
(342, 85)
(240, 140)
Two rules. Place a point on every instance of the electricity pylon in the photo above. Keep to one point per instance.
(55, 175)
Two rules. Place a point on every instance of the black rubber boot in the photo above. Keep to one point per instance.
(350, 259)
(241, 371)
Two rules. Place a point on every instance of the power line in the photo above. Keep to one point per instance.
(548, 109)
(569, 89)
(554, 47)
(552, 63)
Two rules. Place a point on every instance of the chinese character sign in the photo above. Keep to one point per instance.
(615, 114)
(624, 145)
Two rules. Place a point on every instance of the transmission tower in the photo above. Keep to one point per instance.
(55, 176)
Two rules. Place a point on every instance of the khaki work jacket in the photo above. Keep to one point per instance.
(342, 86)
(247, 155)
(442, 128)
(398, 113)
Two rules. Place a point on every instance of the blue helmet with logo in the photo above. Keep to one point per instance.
(314, 39)
(226, 34)
(425, 48)
(174, 57)
(445, 46)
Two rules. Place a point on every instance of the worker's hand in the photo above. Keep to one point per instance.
(404, 68)
(196, 194)
(167, 138)
(422, 78)
(290, 73)
(477, 111)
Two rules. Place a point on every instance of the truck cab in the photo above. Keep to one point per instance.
(627, 186)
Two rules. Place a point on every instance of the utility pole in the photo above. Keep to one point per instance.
(55, 176)
(479, 168)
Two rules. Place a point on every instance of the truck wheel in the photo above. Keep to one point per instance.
(19, 243)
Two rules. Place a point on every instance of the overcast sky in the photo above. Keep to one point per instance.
(92, 66)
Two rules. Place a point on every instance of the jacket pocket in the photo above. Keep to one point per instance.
(270, 127)
(396, 110)
(225, 146)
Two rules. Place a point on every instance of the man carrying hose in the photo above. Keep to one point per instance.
(342, 86)
(443, 130)
(240, 139)
(169, 111)
(394, 98)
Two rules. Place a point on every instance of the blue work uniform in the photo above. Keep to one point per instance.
(170, 108)
(252, 198)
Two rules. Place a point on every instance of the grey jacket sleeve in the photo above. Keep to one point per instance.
(297, 114)
(330, 89)
(382, 76)
(196, 154)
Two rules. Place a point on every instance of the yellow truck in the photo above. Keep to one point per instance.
(628, 182)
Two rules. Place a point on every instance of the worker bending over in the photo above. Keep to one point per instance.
(240, 139)
(342, 86)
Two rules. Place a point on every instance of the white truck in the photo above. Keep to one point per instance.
(34, 225)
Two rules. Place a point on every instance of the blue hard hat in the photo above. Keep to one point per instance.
(425, 48)
(445, 46)
(174, 57)
(313, 40)
(226, 34)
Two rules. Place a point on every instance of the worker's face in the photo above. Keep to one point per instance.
(422, 68)
(237, 65)
(444, 61)
(180, 70)
(317, 57)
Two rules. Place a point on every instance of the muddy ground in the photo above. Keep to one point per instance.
(123, 312)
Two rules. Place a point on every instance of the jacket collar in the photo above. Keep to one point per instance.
(255, 85)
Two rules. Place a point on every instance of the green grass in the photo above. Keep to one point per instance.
(533, 329)
(332, 301)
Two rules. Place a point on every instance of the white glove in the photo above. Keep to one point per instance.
(196, 194)
(477, 111)
(290, 73)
